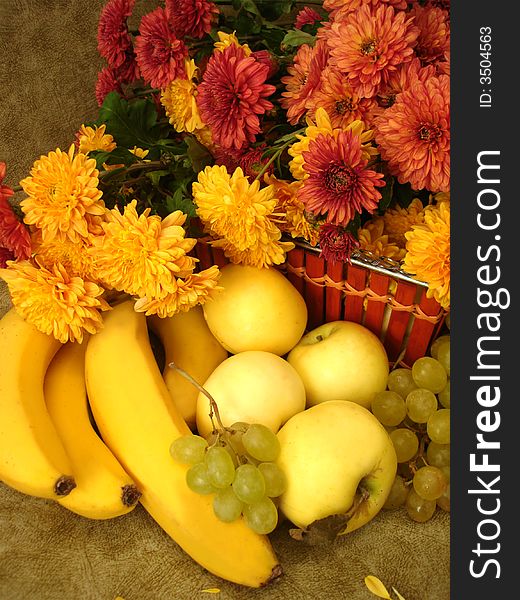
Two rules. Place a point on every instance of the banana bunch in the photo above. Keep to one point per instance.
(48, 446)
(99, 464)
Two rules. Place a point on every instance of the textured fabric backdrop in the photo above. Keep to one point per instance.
(48, 67)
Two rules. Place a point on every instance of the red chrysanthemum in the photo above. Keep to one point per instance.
(302, 80)
(336, 243)
(107, 81)
(306, 16)
(160, 54)
(342, 104)
(192, 18)
(266, 58)
(250, 161)
(434, 36)
(414, 135)
(368, 45)
(231, 95)
(402, 79)
(339, 183)
(5, 255)
(14, 235)
(113, 38)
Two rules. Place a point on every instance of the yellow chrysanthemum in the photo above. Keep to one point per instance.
(94, 138)
(239, 215)
(179, 101)
(195, 289)
(323, 125)
(290, 211)
(73, 256)
(55, 302)
(428, 252)
(139, 152)
(62, 190)
(142, 254)
(372, 239)
(229, 39)
(399, 220)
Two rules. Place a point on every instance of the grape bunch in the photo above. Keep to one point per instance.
(415, 409)
(237, 465)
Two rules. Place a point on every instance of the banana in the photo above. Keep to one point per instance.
(32, 457)
(104, 489)
(189, 343)
(138, 421)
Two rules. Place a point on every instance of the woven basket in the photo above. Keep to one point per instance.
(372, 291)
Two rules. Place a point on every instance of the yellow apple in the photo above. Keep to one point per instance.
(259, 309)
(189, 343)
(341, 360)
(253, 387)
(336, 457)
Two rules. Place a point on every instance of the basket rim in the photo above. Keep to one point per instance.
(364, 258)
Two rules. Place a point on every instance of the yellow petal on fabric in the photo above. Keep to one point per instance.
(211, 591)
(399, 597)
(377, 587)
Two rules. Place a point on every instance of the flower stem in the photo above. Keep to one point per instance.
(272, 159)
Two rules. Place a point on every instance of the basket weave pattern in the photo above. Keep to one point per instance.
(366, 291)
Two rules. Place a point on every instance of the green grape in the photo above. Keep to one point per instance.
(401, 381)
(443, 502)
(274, 477)
(221, 469)
(189, 449)
(438, 342)
(421, 404)
(438, 426)
(397, 495)
(388, 407)
(447, 472)
(261, 443)
(249, 484)
(438, 455)
(429, 482)
(443, 355)
(197, 478)
(444, 395)
(427, 372)
(419, 509)
(226, 506)
(261, 516)
(405, 444)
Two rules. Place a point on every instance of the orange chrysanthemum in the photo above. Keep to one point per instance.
(338, 9)
(94, 138)
(55, 302)
(342, 104)
(373, 239)
(239, 216)
(434, 36)
(368, 45)
(428, 252)
(401, 80)
(196, 288)
(142, 254)
(399, 220)
(62, 190)
(414, 135)
(291, 216)
(303, 79)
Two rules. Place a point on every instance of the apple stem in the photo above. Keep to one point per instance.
(213, 407)
(319, 338)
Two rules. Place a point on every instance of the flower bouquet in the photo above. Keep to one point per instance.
(310, 138)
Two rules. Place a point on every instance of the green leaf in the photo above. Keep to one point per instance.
(179, 201)
(117, 156)
(155, 176)
(131, 123)
(295, 38)
(274, 9)
(199, 156)
(387, 194)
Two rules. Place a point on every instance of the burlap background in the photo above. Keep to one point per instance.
(48, 66)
